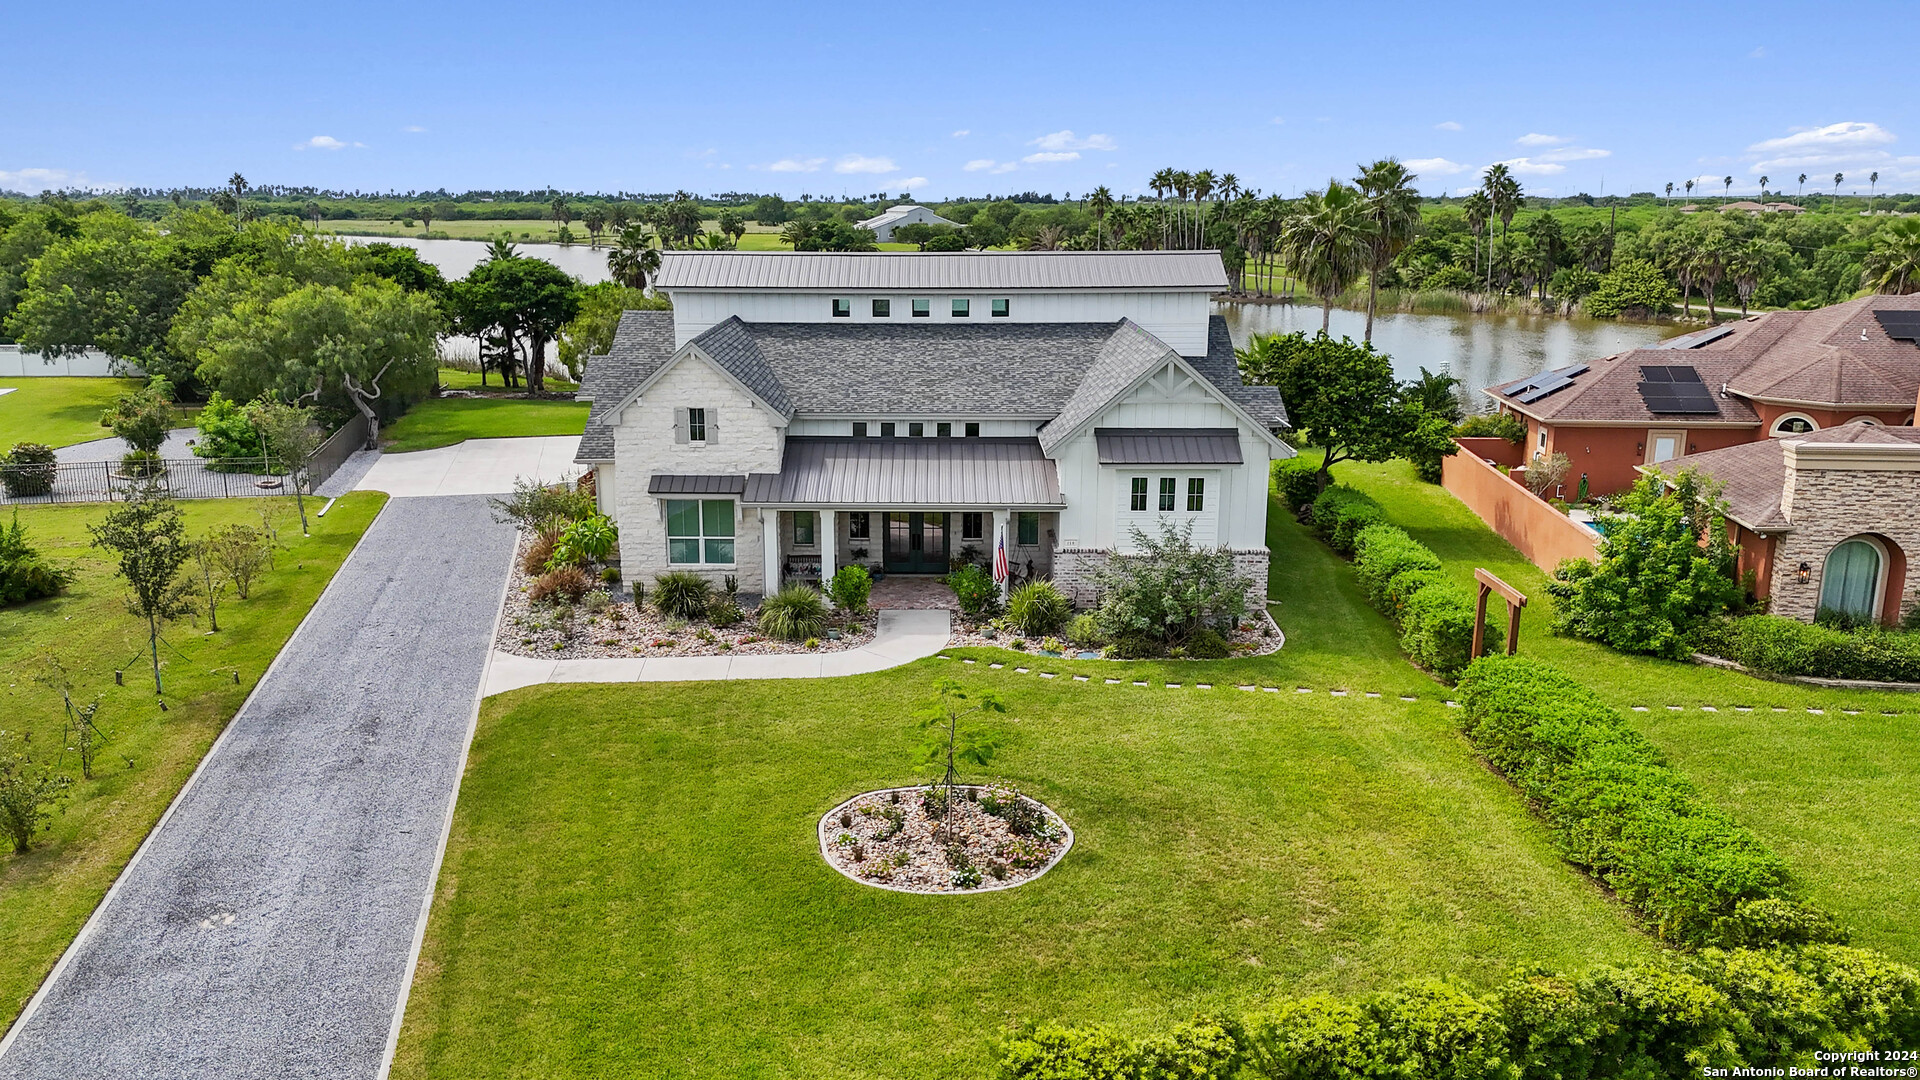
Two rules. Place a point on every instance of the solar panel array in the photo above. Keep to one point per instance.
(1531, 390)
(1695, 339)
(1675, 388)
(1900, 325)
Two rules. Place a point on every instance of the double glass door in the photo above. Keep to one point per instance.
(916, 543)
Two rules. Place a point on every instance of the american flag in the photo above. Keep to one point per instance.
(1000, 560)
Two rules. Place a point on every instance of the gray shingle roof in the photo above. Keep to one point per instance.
(1753, 476)
(1222, 369)
(896, 473)
(959, 271)
(642, 342)
(738, 351)
(1126, 356)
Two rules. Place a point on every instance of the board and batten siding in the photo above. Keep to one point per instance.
(990, 427)
(1177, 318)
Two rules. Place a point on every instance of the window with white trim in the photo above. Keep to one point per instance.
(1137, 500)
(1196, 494)
(1168, 494)
(696, 425)
(973, 526)
(804, 522)
(842, 309)
(700, 531)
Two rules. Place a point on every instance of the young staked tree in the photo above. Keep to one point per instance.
(147, 536)
(291, 441)
(950, 743)
(80, 731)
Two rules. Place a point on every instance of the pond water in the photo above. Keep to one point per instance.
(457, 258)
(1479, 350)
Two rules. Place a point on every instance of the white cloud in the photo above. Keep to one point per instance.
(911, 182)
(1759, 53)
(1575, 153)
(962, 133)
(860, 163)
(977, 164)
(811, 164)
(1003, 167)
(1850, 147)
(321, 142)
(1534, 138)
(1048, 157)
(1852, 134)
(34, 181)
(1529, 167)
(1067, 140)
(1435, 165)
(1278, 120)
(413, 129)
(1448, 125)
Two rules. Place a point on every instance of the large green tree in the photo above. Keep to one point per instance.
(114, 287)
(527, 300)
(1342, 396)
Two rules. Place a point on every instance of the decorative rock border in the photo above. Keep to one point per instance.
(829, 826)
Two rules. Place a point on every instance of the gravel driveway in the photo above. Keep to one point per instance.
(267, 927)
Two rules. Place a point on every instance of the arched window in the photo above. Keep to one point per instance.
(1851, 583)
(1872, 421)
(1793, 424)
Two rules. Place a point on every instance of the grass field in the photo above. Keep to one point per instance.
(633, 887)
(445, 421)
(455, 379)
(758, 237)
(48, 893)
(57, 411)
(1832, 793)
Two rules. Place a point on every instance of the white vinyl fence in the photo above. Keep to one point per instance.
(15, 364)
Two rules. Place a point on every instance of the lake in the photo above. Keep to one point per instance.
(1479, 350)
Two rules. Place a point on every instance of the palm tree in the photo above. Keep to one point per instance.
(633, 259)
(1505, 199)
(559, 211)
(1873, 181)
(595, 219)
(237, 184)
(797, 233)
(1669, 193)
(1893, 265)
(1049, 238)
(1330, 242)
(1803, 186)
(1763, 188)
(501, 248)
(1437, 394)
(1726, 191)
(1710, 265)
(1479, 210)
(312, 212)
(1100, 202)
(1749, 264)
(1393, 209)
(1689, 192)
(1837, 177)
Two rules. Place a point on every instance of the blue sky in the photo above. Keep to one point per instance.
(945, 100)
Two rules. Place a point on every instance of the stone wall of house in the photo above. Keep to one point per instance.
(1074, 569)
(1829, 506)
(746, 439)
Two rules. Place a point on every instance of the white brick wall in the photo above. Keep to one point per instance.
(1828, 506)
(746, 439)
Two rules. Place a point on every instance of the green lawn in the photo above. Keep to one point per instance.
(633, 888)
(47, 894)
(445, 421)
(1834, 794)
(455, 379)
(542, 231)
(57, 411)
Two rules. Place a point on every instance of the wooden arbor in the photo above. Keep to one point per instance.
(1515, 601)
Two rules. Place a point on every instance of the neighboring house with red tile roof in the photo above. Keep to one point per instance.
(1776, 374)
(1825, 519)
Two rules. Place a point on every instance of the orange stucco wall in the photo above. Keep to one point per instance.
(1756, 554)
(1541, 533)
(1609, 455)
(1828, 417)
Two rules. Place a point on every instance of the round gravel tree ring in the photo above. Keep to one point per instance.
(900, 855)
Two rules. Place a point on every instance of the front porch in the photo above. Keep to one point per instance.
(899, 546)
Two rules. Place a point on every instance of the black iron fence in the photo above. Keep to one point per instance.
(111, 481)
(336, 450)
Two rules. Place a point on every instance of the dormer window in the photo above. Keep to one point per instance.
(842, 309)
(886, 429)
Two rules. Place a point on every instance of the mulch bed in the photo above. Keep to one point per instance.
(994, 838)
(615, 628)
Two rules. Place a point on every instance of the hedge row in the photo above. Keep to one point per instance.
(1718, 1009)
(1404, 582)
(1297, 480)
(1773, 645)
(1340, 512)
(1614, 805)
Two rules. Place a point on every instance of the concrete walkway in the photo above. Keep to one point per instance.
(474, 467)
(903, 637)
(267, 926)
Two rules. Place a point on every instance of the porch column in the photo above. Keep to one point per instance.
(826, 527)
(770, 549)
(1000, 518)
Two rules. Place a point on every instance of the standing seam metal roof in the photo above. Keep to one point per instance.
(1168, 446)
(852, 472)
(958, 271)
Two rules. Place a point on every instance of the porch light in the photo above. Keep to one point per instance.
(1805, 573)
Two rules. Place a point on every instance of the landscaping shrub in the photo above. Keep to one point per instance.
(533, 503)
(141, 419)
(25, 574)
(227, 432)
(795, 613)
(1773, 645)
(29, 469)
(1134, 645)
(724, 611)
(1383, 552)
(565, 583)
(1169, 588)
(1297, 480)
(142, 463)
(1038, 608)
(681, 594)
(1084, 631)
(1207, 643)
(586, 541)
(1493, 426)
(1614, 806)
(976, 591)
(539, 551)
(1340, 512)
(851, 588)
(1436, 628)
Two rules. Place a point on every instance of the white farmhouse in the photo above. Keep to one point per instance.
(795, 413)
(893, 217)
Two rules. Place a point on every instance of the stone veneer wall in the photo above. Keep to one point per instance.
(1828, 506)
(1073, 572)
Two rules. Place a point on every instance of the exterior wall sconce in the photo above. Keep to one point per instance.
(1640, 448)
(1804, 574)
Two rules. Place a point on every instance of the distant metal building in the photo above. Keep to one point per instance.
(905, 214)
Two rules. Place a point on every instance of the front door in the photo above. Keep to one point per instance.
(916, 543)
